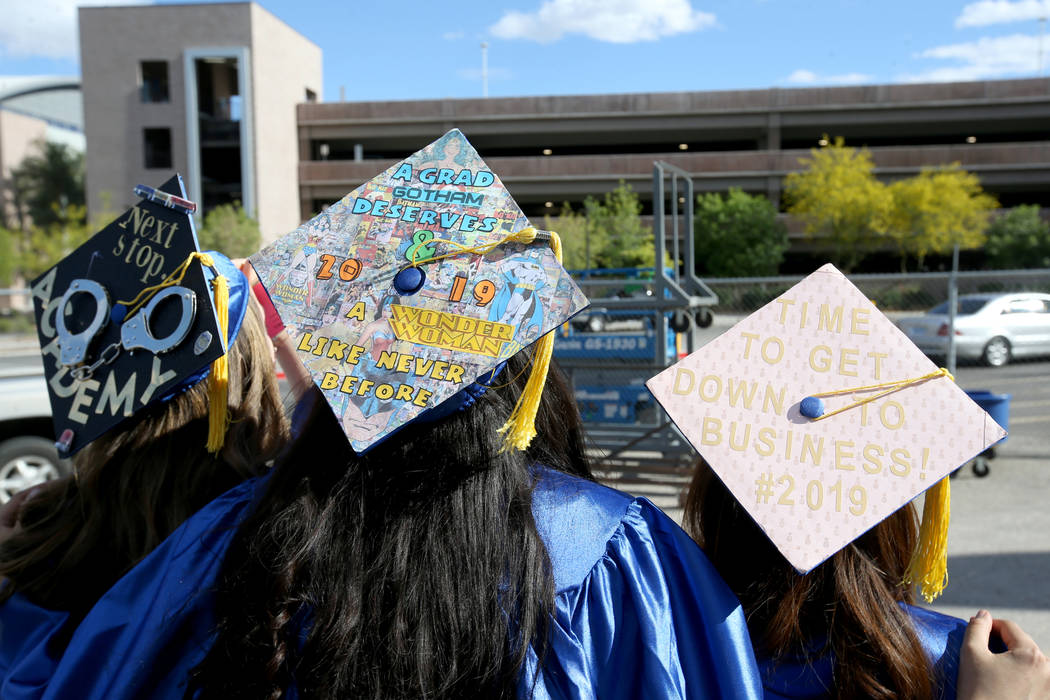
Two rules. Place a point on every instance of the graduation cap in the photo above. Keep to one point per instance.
(136, 315)
(822, 419)
(421, 281)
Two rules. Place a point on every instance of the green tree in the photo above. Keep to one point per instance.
(838, 198)
(48, 185)
(608, 232)
(8, 256)
(228, 229)
(617, 217)
(935, 210)
(576, 240)
(40, 247)
(1020, 238)
(738, 235)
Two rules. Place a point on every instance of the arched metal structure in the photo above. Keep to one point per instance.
(42, 84)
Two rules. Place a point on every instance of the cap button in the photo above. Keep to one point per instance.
(409, 280)
(812, 407)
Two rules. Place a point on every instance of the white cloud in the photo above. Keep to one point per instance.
(986, 12)
(615, 21)
(808, 77)
(45, 28)
(985, 58)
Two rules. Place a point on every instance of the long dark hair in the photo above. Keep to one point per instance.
(851, 600)
(137, 483)
(414, 570)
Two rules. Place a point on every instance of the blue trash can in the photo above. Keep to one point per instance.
(997, 406)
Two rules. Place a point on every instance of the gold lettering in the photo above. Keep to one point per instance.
(846, 361)
(711, 432)
(830, 318)
(859, 322)
(822, 365)
(114, 399)
(677, 386)
(82, 399)
(844, 451)
(815, 450)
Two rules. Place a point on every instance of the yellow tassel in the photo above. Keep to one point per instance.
(526, 236)
(929, 564)
(218, 380)
(520, 428)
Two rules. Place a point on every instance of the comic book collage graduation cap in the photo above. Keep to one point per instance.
(822, 419)
(412, 291)
(136, 315)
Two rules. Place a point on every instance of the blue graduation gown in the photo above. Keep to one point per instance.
(640, 612)
(941, 638)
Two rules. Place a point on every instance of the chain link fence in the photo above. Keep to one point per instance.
(1001, 334)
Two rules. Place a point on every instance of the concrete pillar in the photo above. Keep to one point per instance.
(772, 135)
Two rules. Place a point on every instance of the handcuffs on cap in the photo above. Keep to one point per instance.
(135, 333)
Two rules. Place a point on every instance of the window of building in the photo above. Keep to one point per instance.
(311, 96)
(157, 147)
(154, 81)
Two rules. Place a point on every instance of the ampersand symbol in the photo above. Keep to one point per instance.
(419, 243)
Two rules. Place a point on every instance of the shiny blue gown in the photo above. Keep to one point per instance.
(640, 612)
(941, 637)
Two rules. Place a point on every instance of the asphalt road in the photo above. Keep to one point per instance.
(999, 540)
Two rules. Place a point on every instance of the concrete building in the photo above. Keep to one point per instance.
(208, 90)
(553, 149)
(34, 109)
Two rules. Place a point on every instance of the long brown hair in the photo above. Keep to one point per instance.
(852, 600)
(137, 483)
(414, 570)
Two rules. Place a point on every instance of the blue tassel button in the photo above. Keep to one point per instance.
(812, 407)
(409, 280)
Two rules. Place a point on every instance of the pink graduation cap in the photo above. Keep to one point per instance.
(822, 419)
(419, 282)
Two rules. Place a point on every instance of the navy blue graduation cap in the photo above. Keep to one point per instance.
(136, 315)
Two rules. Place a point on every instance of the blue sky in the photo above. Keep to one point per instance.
(426, 49)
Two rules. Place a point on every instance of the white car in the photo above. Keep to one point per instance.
(27, 444)
(992, 328)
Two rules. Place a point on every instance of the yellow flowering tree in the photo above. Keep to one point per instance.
(936, 209)
(839, 200)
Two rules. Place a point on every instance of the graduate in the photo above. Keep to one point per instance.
(819, 422)
(163, 393)
(434, 529)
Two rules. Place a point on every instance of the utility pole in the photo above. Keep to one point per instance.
(485, 69)
(1042, 33)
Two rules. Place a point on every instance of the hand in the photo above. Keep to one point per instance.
(11, 511)
(246, 267)
(274, 324)
(1022, 672)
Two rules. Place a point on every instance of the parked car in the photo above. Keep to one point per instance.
(27, 444)
(992, 328)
